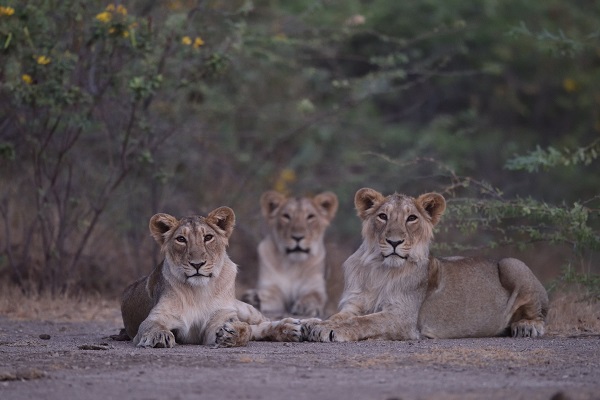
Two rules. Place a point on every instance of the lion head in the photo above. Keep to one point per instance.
(398, 228)
(194, 247)
(297, 224)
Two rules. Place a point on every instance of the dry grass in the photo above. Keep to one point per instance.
(573, 313)
(16, 305)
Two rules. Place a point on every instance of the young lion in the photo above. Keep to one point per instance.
(394, 290)
(190, 296)
(291, 274)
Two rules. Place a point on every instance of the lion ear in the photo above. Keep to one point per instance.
(270, 202)
(327, 204)
(223, 220)
(160, 224)
(434, 205)
(365, 200)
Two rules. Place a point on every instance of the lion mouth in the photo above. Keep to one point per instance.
(200, 275)
(395, 254)
(296, 249)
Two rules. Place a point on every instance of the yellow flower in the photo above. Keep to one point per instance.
(125, 34)
(112, 30)
(43, 60)
(110, 7)
(186, 40)
(121, 10)
(104, 17)
(8, 11)
(198, 42)
(285, 177)
(27, 79)
(570, 85)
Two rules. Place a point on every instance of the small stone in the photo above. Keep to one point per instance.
(45, 336)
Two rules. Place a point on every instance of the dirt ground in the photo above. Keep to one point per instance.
(78, 360)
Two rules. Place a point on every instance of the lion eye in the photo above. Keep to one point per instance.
(287, 216)
(181, 239)
(411, 218)
(382, 216)
(310, 216)
(208, 238)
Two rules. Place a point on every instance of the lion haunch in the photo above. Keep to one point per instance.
(190, 297)
(291, 273)
(395, 290)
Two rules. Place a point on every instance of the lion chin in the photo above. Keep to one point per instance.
(394, 260)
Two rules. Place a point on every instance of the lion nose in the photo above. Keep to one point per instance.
(198, 265)
(297, 238)
(394, 243)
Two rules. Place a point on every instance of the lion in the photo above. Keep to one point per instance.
(394, 290)
(189, 298)
(291, 273)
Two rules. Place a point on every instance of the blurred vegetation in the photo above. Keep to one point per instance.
(114, 111)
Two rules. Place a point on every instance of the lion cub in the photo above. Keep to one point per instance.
(395, 290)
(190, 296)
(291, 273)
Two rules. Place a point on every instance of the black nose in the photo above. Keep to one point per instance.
(297, 238)
(394, 243)
(197, 265)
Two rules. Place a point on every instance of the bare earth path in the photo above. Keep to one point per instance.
(47, 360)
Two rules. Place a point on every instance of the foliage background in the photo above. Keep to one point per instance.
(111, 112)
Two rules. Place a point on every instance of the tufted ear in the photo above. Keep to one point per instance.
(365, 200)
(160, 224)
(270, 202)
(433, 204)
(222, 220)
(327, 204)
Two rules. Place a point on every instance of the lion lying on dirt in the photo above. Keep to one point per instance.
(291, 274)
(395, 290)
(190, 296)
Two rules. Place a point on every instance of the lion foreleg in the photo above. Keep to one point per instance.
(381, 325)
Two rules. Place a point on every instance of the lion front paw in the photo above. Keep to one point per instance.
(251, 297)
(156, 338)
(527, 328)
(285, 330)
(232, 335)
(315, 330)
(289, 330)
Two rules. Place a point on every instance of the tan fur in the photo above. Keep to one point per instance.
(395, 290)
(291, 274)
(190, 297)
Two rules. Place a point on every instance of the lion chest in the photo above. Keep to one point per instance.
(292, 278)
(192, 315)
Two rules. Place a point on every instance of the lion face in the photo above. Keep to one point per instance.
(194, 247)
(298, 224)
(398, 228)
